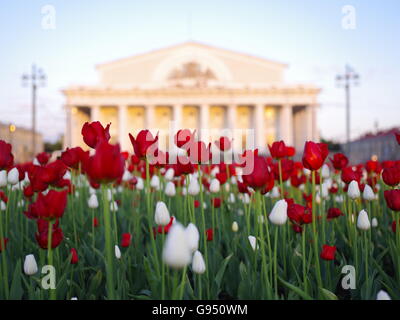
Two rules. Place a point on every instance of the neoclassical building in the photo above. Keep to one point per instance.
(195, 86)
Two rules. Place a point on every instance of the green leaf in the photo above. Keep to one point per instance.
(16, 291)
(297, 290)
(329, 295)
(221, 271)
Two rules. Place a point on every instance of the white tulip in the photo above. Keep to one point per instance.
(278, 214)
(368, 193)
(92, 190)
(235, 226)
(253, 242)
(140, 184)
(214, 186)
(198, 264)
(3, 206)
(374, 222)
(126, 176)
(30, 265)
(275, 193)
(194, 187)
(117, 252)
(192, 237)
(363, 221)
(3, 178)
(214, 171)
(93, 202)
(36, 162)
(161, 216)
(74, 298)
(170, 190)
(245, 198)
(155, 182)
(109, 195)
(325, 172)
(176, 252)
(231, 198)
(339, 198)
(353, 191)
(13, 176)
(169, 174)
(383, 295)
(67, 175)
(114, 206)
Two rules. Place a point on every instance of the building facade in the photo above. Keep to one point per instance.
(195, 86)
(21, 141)
(380, 146)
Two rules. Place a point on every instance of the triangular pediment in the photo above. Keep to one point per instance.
(190, 64)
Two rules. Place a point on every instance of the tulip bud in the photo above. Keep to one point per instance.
(155, 182)
(13, 176)
(275, 193)
(93, 203)
(198, 264)
(214, 186)
(235, 226)
(325, 171)
(245, 198)
(374, 222)
(117, 252)
(253, 242)
(3, 206)
(30, 265)
(231, 198)
(278, 214)
(192, 237)
(194, 187)
(109, 195)
(126, 176)
(3, 178)
(383, 295)
(353, 191)
(140, 184)
(113, 206)
(161, 216)
(368, 193)
(363, 221)
(169, 174)
(170, 189)
(176, 252)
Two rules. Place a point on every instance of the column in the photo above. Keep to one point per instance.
(259, 127)
(204, 120)
(309, 123)
(231, 116)
(150, 117)
(286, 124)
(122, 132)
(95, 113)
(177, 117)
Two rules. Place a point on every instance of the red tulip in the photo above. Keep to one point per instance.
(298, 214)
(74, 157)
(392, 198)
(94, 133)
(349, 174)
(43, 231)
(6, 157)
(183, 138)
(43, 158)
(199, 153)
(373, 166)
(4, 240)
(290, 151)
(48, 207)
(95, 222)
(106, 165)
(334, 213)
(196, 203)
(210, 234)
(278, 150)
(126, 240)
(216, 202)
(144, 144)
(223, 144)
(314, 155)
(286, 169)
(328, 252)
(261, 177)
(74, 257)
(339, 161)
(391, 176)
(397, 135)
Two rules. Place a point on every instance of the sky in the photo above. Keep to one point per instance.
(308, 35)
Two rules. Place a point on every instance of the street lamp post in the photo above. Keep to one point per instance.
(36, 79)
(349, 78)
